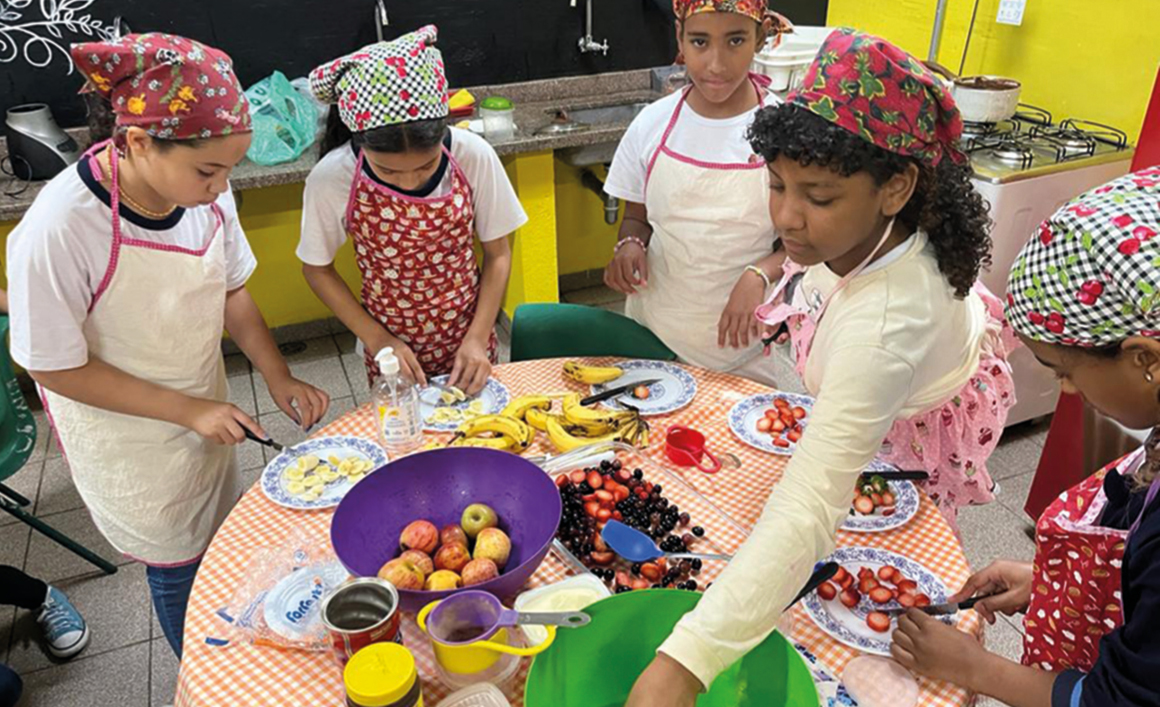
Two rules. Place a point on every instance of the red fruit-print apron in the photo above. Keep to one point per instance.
(419, 273)
(951, 441)
(1075, 597)
(157, 491)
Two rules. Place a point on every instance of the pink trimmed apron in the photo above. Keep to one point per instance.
(951, 441)
(710, 221)
(420, 279)
(157, 491)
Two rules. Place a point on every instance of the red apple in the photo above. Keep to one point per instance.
(452, 534)
(420, 535)
(404, 574)
(452, 557)
(421, 559)
(442, 581)
(493, 544)
(476, 517)
(479, 571)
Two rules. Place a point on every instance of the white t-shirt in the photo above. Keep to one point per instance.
(497, 208)
(59, 253)
(706, 139)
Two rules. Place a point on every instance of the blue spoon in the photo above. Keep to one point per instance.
(635, 546)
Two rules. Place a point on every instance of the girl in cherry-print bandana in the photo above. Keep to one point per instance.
(412, 195)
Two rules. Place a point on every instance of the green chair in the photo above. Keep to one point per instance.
(17, 438)
(564, 330)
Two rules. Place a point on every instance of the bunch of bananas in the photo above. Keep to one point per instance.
(500, 432)
(591, 375)
(578, 425)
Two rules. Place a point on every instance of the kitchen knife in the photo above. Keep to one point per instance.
(618, 391)
(944, 609)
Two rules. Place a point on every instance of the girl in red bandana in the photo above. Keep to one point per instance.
(122, 276)
(883, 240)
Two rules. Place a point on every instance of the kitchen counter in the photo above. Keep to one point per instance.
(535, 105)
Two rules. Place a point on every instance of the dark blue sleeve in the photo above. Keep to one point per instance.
(1063, 690)
(1127, 673)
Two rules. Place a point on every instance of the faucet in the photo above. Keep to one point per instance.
(587, 43)
(381, 19)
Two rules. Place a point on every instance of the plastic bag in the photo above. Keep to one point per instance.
(279, 601)
(285, 121)
(302, 85)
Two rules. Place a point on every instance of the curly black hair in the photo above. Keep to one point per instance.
(944, 203)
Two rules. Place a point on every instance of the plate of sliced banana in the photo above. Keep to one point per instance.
(672, 387)
(319, 472)
(444, 408)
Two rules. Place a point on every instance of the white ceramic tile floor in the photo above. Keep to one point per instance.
(129, 663)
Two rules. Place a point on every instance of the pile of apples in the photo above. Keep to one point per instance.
(783, 422)
(463, 554)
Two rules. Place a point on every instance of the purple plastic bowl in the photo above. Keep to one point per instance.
(437, 486)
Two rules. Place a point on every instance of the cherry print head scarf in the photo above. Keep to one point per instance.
(882, 94)
(387, 83)
(1090, 275)
(175, 88)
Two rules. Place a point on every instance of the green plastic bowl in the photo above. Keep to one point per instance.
(596, 666)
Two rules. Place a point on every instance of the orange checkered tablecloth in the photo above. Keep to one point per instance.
(242, 674)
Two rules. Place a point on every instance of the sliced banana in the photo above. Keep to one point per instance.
(295, 487)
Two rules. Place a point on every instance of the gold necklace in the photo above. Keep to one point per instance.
(155, 215)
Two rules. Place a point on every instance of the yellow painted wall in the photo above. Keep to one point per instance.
(271, 218)
(1076, 58)
(585, 241)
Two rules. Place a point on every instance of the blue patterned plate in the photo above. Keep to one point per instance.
(495, 397)
(848, 626)
(274, 484)
(676, 388)
(744, 416)
(905, 507)
(831, 691)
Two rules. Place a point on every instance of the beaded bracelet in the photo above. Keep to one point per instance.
(760, 273)
(629, 239)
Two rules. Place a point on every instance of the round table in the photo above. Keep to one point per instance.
(243, 674)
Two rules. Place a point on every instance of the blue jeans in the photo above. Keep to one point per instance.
(170, 588)
(10, 687)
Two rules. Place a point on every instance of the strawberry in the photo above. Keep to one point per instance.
(624, 476)
(907, 586)
(921, 601)
(641, 582)
(599, 544)
(867, 585)
(840, 575)
(772, 414)
(865, 572)
(623, 578)
(781, 443)
(906, 600)
(781, 403)
(878, 621)
(847, 581)
(886, 573)
(764, 424)
(562, 480)
(591, 508)
(794, 435)
(799, 413)
(881, 595)
(604, 496)
(603, 514)
(876, 498)
(864, 505)
(617, 515)
(887, 498)
(595, 480)
(777, 426)
(826, 591)
(578, 477)
(850, 598)
(650, 571)
(621, 493)
(603, 558)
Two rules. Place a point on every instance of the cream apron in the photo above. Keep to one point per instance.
(710, 221)
(157, 491)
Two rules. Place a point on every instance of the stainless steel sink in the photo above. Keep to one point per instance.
(599, 117)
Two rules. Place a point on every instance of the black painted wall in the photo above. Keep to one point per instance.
(483, 41)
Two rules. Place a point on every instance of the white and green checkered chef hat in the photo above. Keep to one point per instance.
(386, 83)
(1090, 276)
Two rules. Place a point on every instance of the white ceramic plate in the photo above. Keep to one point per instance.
(848, 626)
(274, 483)
(495, 397)
(676, 387)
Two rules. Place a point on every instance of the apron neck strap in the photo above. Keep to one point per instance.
(845, 279)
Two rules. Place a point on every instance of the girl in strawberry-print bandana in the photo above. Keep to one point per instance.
(412, 194)
(123, 276)
(1082, 296)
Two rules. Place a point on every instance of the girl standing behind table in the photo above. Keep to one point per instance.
(122, 276)
(412, 194)
(696, 247)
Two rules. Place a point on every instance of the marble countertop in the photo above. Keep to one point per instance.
(536, 103)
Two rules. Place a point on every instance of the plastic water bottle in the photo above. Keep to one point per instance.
(397, 404)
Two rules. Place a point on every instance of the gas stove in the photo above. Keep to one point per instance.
(1032, 144)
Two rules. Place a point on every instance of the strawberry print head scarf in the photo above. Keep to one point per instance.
(1090, 275)
(875, 90)
(175, 88)
(387, 83)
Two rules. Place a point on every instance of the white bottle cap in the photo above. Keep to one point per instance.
(388, 363)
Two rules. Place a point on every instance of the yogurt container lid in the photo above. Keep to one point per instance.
(293, 607)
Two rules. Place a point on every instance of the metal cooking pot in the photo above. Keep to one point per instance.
(981, 99)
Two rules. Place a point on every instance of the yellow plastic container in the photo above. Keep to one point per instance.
(478, 656)
(382, 675)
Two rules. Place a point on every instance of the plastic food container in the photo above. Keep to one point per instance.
(572, 594)
(481, 695)
(786, 63)
(498, 118)
(382, 675)
(723, 535)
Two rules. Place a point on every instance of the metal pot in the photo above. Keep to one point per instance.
(981, 99)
